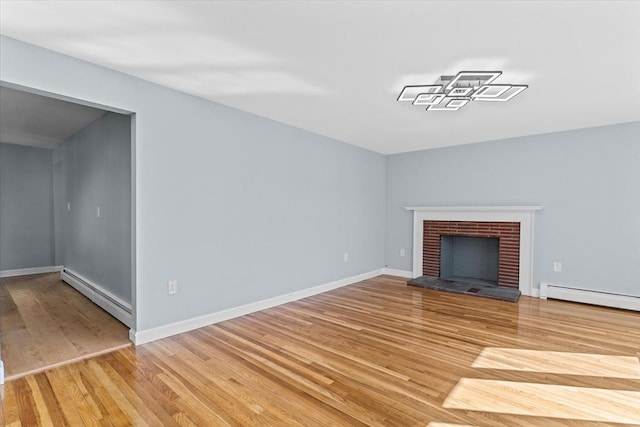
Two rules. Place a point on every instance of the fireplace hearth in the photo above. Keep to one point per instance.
(461, 287)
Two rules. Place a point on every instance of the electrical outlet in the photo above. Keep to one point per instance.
(346, 256)
(401, 252)
(172, 287)
(557, 267)
(98, 212)
(68, 206)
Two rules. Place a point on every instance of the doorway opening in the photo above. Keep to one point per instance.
(67, 229)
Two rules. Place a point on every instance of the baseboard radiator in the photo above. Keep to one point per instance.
(110, 303)
(627, 302)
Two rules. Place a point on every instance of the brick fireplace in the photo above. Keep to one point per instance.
(508, 234)
(512, 225)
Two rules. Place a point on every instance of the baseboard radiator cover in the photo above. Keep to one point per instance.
(110, 303)
(551, 291)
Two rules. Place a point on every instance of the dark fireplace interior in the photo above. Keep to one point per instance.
(469, 259)
(507, 234)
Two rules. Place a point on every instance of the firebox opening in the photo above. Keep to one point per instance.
(469, 259)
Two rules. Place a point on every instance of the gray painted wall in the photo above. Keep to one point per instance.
(586, 180)
(236, 207)
(95, 167)
(26, 228)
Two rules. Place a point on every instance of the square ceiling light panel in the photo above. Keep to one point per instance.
(409, 93)
(490, 91)
(428, 99)
(497, 92)
(449, 105)
(451, 93)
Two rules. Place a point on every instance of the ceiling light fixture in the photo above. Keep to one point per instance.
(451, 93)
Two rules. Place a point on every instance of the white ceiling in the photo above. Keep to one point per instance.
(30, 119)
(337, 67)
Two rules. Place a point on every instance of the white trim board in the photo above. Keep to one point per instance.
(28, 271)
(110, 303)
(152, 334)
(474, 208)
(565, 293)
(522, 214)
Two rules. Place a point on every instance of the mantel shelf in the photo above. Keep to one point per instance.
(474, 208)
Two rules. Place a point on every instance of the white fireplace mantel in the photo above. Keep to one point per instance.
(475, 208)
(522, 214)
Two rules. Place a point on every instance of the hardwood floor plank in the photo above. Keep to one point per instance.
(261, 389)
(74, 393)
(20, 353)
(228, 391)
(9, 412)
(336, 365)
(45, 322)
(110, 410)
(281, 378)
(53, 406)
(25, 402)
(119, 397)
(59, 395)
(138, 393)
(378, 352)
(208, 392)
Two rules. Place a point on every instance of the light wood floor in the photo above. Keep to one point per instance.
(378, 352)
(45, 322)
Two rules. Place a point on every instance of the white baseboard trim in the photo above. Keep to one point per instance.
(110, 303)
(400, 273)
(152, 334)
(627, 302)
(28, 271)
